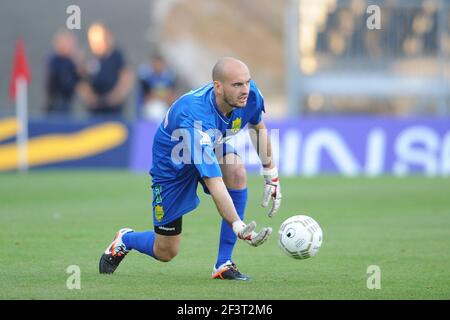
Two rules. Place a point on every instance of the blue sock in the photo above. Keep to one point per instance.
(227, 237)
(140, 241)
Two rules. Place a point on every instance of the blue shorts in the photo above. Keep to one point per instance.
(173, 199)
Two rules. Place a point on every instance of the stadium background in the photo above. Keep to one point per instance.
(347, 101)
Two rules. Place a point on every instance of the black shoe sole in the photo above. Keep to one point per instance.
(233, 279)
(105, 265)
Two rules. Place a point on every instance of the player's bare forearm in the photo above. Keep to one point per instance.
(272, 190)
(260, 139)
(222, 199)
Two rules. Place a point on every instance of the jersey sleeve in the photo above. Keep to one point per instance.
(199, 147)
(257, 117)
(202, 154)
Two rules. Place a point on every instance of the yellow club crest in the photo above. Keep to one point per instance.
(236, 125)
(159, 212)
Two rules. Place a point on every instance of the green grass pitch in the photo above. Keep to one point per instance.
(53, 219)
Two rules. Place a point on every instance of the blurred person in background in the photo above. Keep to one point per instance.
(109, 80)
(63, 73)
(157, 85)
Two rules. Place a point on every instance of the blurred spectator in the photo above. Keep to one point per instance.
(62, 73)
(157, 85)
(109, 80)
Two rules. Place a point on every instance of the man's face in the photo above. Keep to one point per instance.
(99, 39)
(158, 65)
(65, 44)
(236, 85)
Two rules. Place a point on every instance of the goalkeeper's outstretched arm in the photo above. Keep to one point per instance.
(222, 199)
(226, 209)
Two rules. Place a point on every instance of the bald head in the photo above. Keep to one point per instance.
(225, 66)
(231, 79)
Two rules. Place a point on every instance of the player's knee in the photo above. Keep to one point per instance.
(166, 247)
(241, 174)
(237, 178)
(167, 255)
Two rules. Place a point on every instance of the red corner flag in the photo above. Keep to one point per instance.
(20, 68)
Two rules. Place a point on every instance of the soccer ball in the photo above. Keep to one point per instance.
(300, 237)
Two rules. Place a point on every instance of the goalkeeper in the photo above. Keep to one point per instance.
(189, 148)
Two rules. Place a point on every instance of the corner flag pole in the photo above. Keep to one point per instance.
(22, 120)
(20, 77)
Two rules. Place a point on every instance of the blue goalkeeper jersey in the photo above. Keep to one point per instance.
(183, 147)
(198, 113)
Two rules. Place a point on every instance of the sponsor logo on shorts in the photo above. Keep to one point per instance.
(166, 229)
